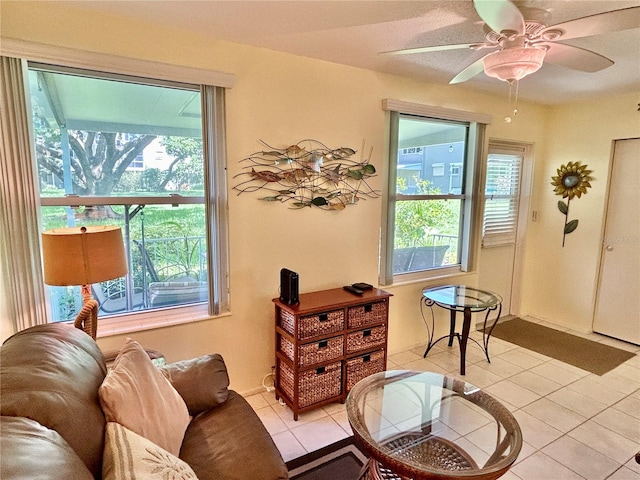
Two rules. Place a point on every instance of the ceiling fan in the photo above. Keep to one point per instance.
(522, 40)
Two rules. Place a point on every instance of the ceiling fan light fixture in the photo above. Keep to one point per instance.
(514, 63)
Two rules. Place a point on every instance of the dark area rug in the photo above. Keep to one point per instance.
(586, 354)
(339, 461)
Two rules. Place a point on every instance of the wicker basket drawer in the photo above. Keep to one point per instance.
(367, 314)
(363, 366)
(321, 351)
(313, 325)
(367, 338)
(314, 385)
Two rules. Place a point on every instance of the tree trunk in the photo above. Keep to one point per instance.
(98, 212)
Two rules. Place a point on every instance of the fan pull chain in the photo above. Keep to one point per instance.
(509, 118)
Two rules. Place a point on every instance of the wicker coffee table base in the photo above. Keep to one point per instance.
(374, 471)
(434, 451)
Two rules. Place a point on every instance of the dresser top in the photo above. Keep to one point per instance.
(331, 299)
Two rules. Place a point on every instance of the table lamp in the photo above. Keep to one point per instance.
(82, 256)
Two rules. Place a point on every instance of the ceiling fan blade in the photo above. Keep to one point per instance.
(500, 15)
(613, 21)
(468, 73)
(576, 58)
(434, 48)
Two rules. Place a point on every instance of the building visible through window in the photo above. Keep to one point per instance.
(430, 209)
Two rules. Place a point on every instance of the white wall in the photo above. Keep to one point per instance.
(283, 99)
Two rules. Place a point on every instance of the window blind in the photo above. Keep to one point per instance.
(502, 192)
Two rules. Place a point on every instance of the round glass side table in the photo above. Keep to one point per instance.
(468, 300)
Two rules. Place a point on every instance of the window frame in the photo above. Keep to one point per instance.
(214, 155)
(470, 215)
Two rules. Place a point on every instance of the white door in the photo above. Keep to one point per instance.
(618, 300)
(507, 186)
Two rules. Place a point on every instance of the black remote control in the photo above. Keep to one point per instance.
(353, 290)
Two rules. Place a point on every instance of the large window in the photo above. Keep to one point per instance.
(139, 154)
(430, 203)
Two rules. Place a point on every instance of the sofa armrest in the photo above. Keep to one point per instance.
(202, 382)
(51, 373)
(30, 451)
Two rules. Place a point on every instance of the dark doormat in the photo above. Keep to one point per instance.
(586, 354)
(339, 461)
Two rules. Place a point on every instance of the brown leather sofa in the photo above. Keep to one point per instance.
(52, 425)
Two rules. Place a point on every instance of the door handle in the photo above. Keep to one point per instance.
(609, 248)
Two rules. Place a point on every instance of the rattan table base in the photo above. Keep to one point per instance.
(437, 452)
(372, 470)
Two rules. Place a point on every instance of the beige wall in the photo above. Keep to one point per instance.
(283, 99)
(560, 283)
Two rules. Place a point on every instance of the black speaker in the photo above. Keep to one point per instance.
(288, 286)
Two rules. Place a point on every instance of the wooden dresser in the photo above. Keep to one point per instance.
(326, 343)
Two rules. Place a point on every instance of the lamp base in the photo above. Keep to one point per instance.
(87, 319)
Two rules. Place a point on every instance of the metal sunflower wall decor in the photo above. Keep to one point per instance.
(309, 174)
(572, 181)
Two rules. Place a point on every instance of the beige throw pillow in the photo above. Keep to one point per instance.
(136, 395)
(128, 456)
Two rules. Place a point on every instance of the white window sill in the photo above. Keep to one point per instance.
(149, 320)
(436, 275)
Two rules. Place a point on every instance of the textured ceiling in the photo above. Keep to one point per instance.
(354, 32)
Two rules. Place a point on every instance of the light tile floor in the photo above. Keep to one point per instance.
(576, 425)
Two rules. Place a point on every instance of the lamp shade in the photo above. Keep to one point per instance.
(83, 255)
(514, 63)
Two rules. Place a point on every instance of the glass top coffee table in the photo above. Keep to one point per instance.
(423, 425)
(468, 300)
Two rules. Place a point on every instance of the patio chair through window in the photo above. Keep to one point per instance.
(180, 286)
(112, 298)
